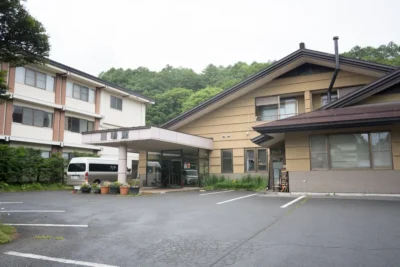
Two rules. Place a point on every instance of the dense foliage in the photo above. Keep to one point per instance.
(21, 165)
(176, 90)
(247, 182)
(386, 54)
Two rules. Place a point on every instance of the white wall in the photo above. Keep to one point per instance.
(32, 132)
(33, 92)
(73, 138)
(130, 116)
(79, 104)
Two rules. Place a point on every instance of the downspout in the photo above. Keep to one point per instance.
(337, 67)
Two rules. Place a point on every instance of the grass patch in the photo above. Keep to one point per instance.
(43, 237)
(6, 233)
(247, 182)
(48, 237)
(24, 187)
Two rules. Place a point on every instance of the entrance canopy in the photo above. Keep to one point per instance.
(146, 139)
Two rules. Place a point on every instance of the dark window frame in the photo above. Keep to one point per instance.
(256, 160)
(116, 101)
(278, 110)
(371, 167)
(69, 123)
(35, 78)
(222, 160)
(45, 115)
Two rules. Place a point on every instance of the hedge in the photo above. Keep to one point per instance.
(247, 182)
(25, 165)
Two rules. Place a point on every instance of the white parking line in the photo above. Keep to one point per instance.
(216, 193)
(233, 199)
(40, 257)
(47, 225)
(11, 203)
(291, 202)
(40, 211)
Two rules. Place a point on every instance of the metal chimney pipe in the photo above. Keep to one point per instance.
(337, 67)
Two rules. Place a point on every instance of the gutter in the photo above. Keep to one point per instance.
(337, 68)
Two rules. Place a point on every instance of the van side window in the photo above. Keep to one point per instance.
(98, 167)
(77, 167)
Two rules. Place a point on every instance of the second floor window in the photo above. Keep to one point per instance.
(275, 108)
(34, 117)
(324, 99)
(81, 92)
(115, 102)
(78, 125)
(34, 78)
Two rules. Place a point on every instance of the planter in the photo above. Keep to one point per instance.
(104, 190)
(124, 190)
(96, 191)
(134, 190)
(114, 190)
(85, 190)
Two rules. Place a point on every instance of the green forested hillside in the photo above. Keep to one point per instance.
(178, 89)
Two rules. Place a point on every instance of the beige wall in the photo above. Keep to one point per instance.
(297, 148)
(230, 126)
(384, 98)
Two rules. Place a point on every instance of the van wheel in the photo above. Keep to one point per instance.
(97, 181)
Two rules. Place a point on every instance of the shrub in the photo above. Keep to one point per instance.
(247, 182)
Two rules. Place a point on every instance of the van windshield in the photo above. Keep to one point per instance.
(77, 167)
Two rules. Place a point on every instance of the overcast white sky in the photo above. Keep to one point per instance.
(95, 35)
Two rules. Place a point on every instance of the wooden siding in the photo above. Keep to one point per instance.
(231, 124)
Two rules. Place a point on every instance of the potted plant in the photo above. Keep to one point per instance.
(85, 188)
(124, 188)
(95, 188)
(105, 187)
(114, 188)
(134, 189)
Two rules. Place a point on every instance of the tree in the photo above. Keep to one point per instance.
(168, 105)
(23, 39)
(200, 96)
(386, 54)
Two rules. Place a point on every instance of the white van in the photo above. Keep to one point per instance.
(93, 170)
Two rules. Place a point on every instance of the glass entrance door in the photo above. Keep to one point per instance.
(171, 168)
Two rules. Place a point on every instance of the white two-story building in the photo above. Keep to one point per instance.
(51, 105)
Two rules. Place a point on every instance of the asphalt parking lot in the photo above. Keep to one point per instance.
(195, 229)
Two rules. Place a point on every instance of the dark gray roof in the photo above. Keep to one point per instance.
(347, 117)
(275, 66)
(91, 77)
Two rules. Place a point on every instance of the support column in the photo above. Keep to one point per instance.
(122, 156)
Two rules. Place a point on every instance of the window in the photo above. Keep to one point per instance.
(77, 167)
(381, 153)
(103, 136)
(319, 152)
(45, 154)
(114, 135)
(80, 92)
(77, 125)
(227, 161)
(115, 102)
(99, 167)
(324, 99)
(35, 78)
(67, 155)
(255, 160)
(351, 151)
(125, 135)
(275, 107)
(34, 117)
